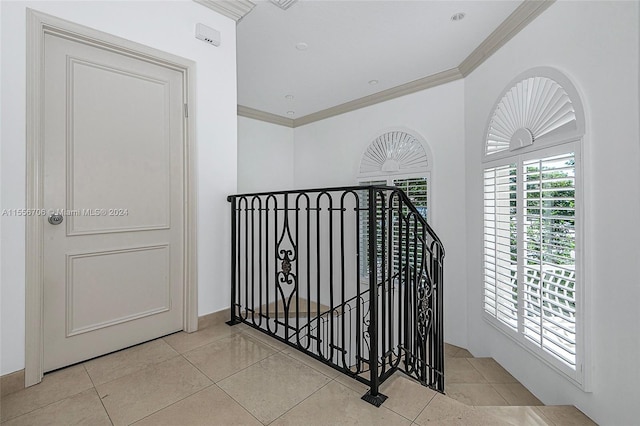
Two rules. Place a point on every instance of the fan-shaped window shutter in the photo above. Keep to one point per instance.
(394, 153)
(534, 110)
(531, 274)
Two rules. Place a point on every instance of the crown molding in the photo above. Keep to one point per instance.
(520, 18)
(256, 114)
(385, 95)
(234, 9)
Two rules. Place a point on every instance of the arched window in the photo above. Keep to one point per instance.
(395, 158)
(532, 218)
(398, 158)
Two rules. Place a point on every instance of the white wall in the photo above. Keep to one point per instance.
(596, 45)
(2, 106)
(168, 26)
(265, 156)
(328, 153)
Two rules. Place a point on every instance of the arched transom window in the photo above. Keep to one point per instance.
(399, 158)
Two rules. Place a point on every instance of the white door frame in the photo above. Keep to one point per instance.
(39, 24)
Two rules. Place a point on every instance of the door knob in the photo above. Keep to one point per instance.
(55, 219)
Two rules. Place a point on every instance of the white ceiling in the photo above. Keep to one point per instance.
(349, 44)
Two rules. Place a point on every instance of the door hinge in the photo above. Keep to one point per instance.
(186, 110)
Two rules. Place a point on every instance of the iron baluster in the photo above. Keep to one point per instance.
(393, 324)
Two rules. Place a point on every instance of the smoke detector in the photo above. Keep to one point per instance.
(207, 34)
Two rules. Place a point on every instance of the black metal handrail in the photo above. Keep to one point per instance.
(351, 275)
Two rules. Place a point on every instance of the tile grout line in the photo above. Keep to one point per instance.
(262, 341)
(152, 365)
(46, 405)
(309, 396)
(238, 402)
(479, 372)
(310, 366)
(144, 367)
(281, 352)
(173, 403)
(213, 383)
(425, 407)
(545, 418)
(187, 396)
(487, 378)
(500, 395)
(39, 408)
(199, 346)
(236, 372)
(97, 394)
(83, 364)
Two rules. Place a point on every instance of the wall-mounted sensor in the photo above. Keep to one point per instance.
(208, 34)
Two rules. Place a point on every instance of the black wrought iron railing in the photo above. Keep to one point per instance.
(352, 276)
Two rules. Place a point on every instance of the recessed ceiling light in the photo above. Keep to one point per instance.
(291, 112)
(302, 46)
(289, 97)
(458, 16)
(373, 82)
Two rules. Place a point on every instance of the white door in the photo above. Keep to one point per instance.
(113, 168)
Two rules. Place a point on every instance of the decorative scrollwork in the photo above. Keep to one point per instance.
(286, 267)
(424, 293)
(286, 253)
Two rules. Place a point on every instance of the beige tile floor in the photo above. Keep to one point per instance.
(225, 375)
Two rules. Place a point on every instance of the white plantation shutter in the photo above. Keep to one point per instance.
(549, 232)
(364, 230)
(417, 190)
(529, 251)
(500, 250)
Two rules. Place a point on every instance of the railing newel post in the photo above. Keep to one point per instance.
(373, 396)
(440, 303)
(234, 319)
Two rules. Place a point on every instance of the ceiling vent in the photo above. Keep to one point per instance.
(283, 4)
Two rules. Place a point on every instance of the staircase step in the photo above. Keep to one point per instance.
(517, 406)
